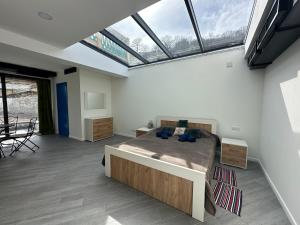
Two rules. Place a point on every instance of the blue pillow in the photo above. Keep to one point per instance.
(183, 137)
(191, 138)
(186, 137)
(196, 133)
(164, 135)
(165, 132)
(158, 134)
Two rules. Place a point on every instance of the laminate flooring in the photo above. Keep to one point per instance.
(64, 183)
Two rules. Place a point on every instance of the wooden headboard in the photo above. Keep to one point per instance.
(196, 123)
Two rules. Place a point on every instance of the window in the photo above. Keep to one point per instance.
(222, 23)
(131, 34)
(100, 41)
(170, 21)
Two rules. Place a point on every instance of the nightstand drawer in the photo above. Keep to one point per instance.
(142, 131)
(139, 133)
(234, 152)
(239, 162)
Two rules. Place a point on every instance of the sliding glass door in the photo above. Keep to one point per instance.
(1, 105)
(19, 96)
(22, 98)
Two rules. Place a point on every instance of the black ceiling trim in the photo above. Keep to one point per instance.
(24, 70)
(104, 53)
(152, 35)
(191, 12)
(279, 29)
(126, 47)
(70, 70)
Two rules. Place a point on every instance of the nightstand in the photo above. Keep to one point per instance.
(143, 130)
(234, 152)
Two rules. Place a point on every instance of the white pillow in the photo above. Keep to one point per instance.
(179, 131)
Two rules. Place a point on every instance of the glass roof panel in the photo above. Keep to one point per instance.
(222, 23)
(131, 34)
(107, 45)
(170, 21)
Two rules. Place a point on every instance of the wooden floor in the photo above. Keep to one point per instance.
(64, 183)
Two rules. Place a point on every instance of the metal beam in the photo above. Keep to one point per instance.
(152, 35)
(191, 12)
(123, 45)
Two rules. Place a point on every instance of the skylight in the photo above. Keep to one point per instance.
(171, 29)
(103, 43)
(175, 32)
(222, 23)
(131, 34)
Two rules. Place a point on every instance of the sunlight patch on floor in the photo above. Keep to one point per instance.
(111, 221)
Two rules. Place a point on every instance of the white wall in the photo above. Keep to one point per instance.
(201, 87)
(78, 83)
(280, 132)
(74, 99)
(98, 83)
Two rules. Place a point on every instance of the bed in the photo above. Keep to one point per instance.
(173, 172)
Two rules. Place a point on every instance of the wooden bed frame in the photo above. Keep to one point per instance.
(181, 187)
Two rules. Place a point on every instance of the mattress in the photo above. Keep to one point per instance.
(197, 155)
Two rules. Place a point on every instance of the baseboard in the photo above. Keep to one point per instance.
(125, 134)
(280, 199)
(76, 138)
(253, 159)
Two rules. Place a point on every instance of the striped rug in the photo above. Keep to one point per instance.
(225, 175)
(228, 197)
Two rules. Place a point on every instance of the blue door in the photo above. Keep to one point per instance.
(62, 108)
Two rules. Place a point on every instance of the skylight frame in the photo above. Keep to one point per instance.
(109, 35)
(190, 9)
(139, 20)
(136, 59)
(143, 29)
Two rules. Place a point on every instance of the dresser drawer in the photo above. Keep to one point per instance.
(99, 128)
(103, 121)
(99, 136)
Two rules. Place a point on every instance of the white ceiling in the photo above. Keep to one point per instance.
(10, 54)
(73, 20)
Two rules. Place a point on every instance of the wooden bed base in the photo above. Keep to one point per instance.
(177, 186)
(173, 190)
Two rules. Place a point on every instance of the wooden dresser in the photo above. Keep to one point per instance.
(234, 152)
(98, 128)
